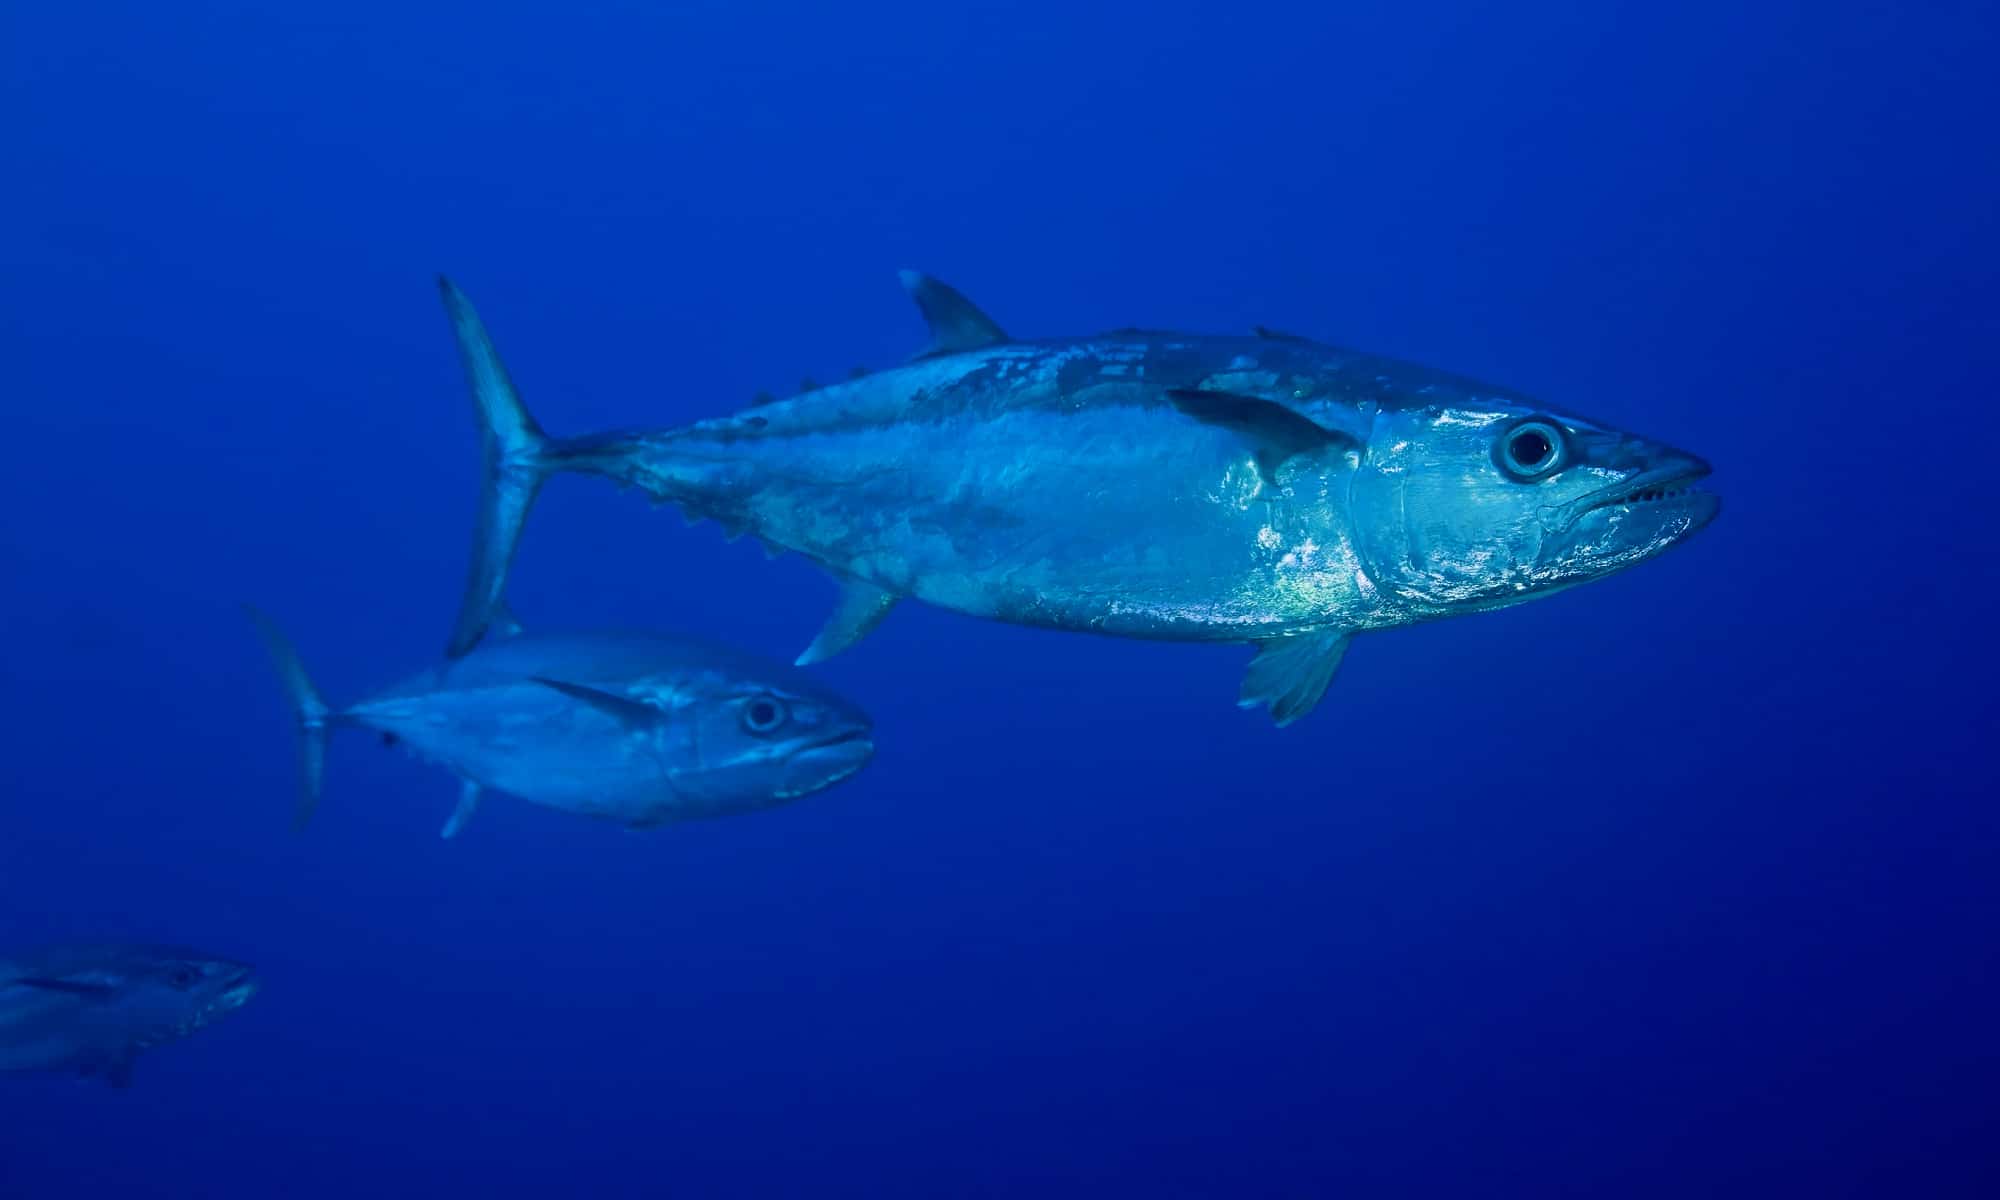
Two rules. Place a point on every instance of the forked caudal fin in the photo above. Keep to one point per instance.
(517, 457)
(308, 710)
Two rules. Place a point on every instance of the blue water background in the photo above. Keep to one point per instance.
(1683, 883)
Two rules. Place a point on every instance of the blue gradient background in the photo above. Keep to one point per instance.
(1685, 883)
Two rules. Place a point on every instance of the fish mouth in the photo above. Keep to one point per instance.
(240, 988)
(827, 762)
(1668, 489)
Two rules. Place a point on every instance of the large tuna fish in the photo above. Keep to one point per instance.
(637, 728)
(1266, 489)
(92, 1010)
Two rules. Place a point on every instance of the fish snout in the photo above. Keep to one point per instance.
(828, 759)
(237, 984)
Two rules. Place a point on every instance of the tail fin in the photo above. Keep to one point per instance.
(307, 708)
(518, 459)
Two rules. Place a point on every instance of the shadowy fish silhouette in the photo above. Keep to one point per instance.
(1264, 489)
(636, 728)
(93, 1010)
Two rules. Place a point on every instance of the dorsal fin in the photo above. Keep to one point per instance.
(1274, 432)
(956, 323)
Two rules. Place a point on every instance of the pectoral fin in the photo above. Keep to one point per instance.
(70, 987)
(468, 803)
(118, 1072)
(1275, 433)
(113, 1067)
(1290, 674)
(634, 713)
(861, 608)
(504, 624)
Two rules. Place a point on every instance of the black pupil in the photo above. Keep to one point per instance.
(1531, 448)
(763, 713)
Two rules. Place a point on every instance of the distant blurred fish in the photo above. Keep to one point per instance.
(93, 1010)
(642, 729)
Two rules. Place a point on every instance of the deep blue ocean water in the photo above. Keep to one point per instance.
(1684, 883)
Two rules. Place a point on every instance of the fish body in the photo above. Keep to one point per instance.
(1264, 489)
(1046, 484)
(637, 728)
(92, 1010)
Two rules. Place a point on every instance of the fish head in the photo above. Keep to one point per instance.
(187, 991)
(154, 993)
(1484, 503)
(760, 737)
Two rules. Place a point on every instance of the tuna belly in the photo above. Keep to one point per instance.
(46, 1053)
(560, 757)
(1134, 523)
(606, 780)
(59, 1041)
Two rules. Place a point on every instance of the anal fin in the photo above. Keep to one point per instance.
(860, 609)
(1290, 674)
(468, 803)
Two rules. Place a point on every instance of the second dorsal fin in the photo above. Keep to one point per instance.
(956, 323)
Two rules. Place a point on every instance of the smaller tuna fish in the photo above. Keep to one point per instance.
(637, 728)
(92, 1010)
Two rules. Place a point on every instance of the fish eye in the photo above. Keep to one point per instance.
(1531, 449)
(183, 975)
(764, 714)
